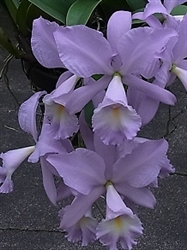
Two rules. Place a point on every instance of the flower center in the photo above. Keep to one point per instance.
(60, 109)
(118, 223)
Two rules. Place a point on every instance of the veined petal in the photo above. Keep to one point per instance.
(123, 228)
(86, 132)
(48, 180)
(141, 196)
(79, 207)
(81, 170)
(180, 48)
(43, 43)
(7, 185)
(115, 202)
(114, 120)
(65, 87)
(46, 144)
(181, 74)
(82, 95)
(118, 24)
(62, 124)
(13, 158)
(147, 156)
(107, 152)
(154, 6)
(171, 4)
(145, 106)
(27, 114)
(151, 90)
(11, 161)
(84, 230)
(139, 48)
(83, 57)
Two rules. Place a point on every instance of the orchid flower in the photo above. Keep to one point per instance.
(156, 6)
(91, 175)
(45, 144)
(84, 230)
(174, 61)
(63, 125)
(121, 225)
(11, 161)
(96, 55)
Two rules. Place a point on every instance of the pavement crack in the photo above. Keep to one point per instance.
(29, 230)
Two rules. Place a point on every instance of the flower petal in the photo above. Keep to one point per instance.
(48, 181)
(79, 207)
(114, 120)
(152, 90)
(142, 166)
(84, 51)
(141, 196)
(43, 43)
(115, 202)
(27, 114)
(118, 24)
(82, 95)
(121, 228)
(81, 170)
(139, 48)
(171, 4)
(181, 74)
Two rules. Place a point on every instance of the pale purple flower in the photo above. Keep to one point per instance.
(43, 43)
(120, 224)
(11, 161)
(114, 120)
(62, 124)
(174, 59)
(126, 52)
(133, 51)
(86, 172)
(156, 6)
(27, 114)
(84, 230)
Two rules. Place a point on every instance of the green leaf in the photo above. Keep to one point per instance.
(55, 8)
(88, 111)
(179, 10)
(7, 44)
(80, 11)
(12, 8)
(21, 17)
(136, 4)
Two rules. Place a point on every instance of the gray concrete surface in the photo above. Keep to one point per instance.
(27, 219)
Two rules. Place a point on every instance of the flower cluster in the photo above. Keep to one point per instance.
(112, 86)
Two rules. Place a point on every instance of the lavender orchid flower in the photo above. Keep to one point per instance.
(45, 144)
(11, 161)
(91, 175)
(174, 61)
(156, 6)
(96, 55)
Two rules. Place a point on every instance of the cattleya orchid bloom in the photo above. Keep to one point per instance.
(96, 55)
(156, 6)
(120, 224)
(11, 161)
(84, 230)
(132, 68)
(45, 145)
(63, 125)
(90, 174)
(113, 119)
(174, 61)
